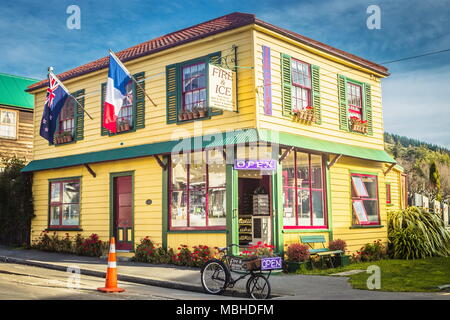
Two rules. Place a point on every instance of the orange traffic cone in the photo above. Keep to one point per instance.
(111, 273)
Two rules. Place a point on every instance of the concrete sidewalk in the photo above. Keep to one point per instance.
(184, 278)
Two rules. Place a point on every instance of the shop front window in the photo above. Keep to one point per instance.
(197, 194)
(365, 199)
(303, 191)
(65, 204)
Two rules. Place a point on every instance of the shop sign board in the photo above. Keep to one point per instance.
(221, 93)
(271, 263)
(268, 164)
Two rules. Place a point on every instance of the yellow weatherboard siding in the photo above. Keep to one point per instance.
(95, 198)
(174, 240)
(341, 203)
(95, 211)
(156, 129)
(329, 128)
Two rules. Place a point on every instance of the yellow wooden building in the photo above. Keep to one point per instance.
(299, 151)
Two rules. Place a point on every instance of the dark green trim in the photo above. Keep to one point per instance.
(165, 203)
(232, 207)
(65, 178)
(367, 227)
(113, 175)
(210, 141)
(141, 101)
(329, 201)
(277, 209)
(364, 172)
(49, 183)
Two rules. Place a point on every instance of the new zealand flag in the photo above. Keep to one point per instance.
(56, 97)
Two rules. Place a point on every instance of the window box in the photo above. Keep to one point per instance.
(63, 137)
(123, 125)
(358, 125)
(305, 115)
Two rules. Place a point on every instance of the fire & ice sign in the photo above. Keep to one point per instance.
(222, 94)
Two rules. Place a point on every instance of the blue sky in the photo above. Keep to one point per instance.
(416, 97)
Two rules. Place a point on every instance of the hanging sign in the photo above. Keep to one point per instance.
(269, 164)
(221, 93)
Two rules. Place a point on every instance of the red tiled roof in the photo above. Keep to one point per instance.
(199, 31)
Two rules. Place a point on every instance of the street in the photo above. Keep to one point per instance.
(21, 282)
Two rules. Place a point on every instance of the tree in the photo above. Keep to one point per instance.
(16, 204)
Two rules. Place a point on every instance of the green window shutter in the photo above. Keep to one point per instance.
(343, 108)
(104, 131)
(315, 79)
(213, 58)
(368, 108)
(79, 116)
(139, 101)
(286, 90)
(173, 91)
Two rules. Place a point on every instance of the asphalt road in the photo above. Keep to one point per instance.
(21, 282)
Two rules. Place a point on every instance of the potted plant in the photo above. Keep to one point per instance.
(358, 125)
(190, 115)
(297, 257)
(67, 136)
(251, 258)
(202, 112)
(59, 138)
(195, 113)
(124, 125)
(340, 260)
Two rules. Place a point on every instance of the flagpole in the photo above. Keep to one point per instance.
(50, 71)
(131, 76)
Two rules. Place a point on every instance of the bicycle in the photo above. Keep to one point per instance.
(216, 273)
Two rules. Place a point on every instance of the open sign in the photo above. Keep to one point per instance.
(271, 263)
(268, 164)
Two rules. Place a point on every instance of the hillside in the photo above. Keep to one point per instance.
(426, 165)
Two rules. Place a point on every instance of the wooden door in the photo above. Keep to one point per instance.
(123, 212)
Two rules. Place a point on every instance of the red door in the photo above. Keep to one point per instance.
(123, 209)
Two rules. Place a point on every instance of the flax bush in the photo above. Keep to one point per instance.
(415, 233)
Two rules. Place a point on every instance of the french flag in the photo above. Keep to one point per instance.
(118, 77)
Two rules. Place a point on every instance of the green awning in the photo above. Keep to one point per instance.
(324, 146)
(210, 141)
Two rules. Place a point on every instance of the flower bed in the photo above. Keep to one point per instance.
(92, 246)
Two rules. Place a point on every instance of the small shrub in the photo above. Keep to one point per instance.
(370, 252)
(297, 252)
(93, 246)
(184, 257)
(338, 244)
(415, 233)
(201, 255)
(145, 251)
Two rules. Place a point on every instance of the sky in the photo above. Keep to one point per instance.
(416, 96)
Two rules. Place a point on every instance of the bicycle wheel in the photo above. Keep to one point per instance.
(258, 287)
(215, 277)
